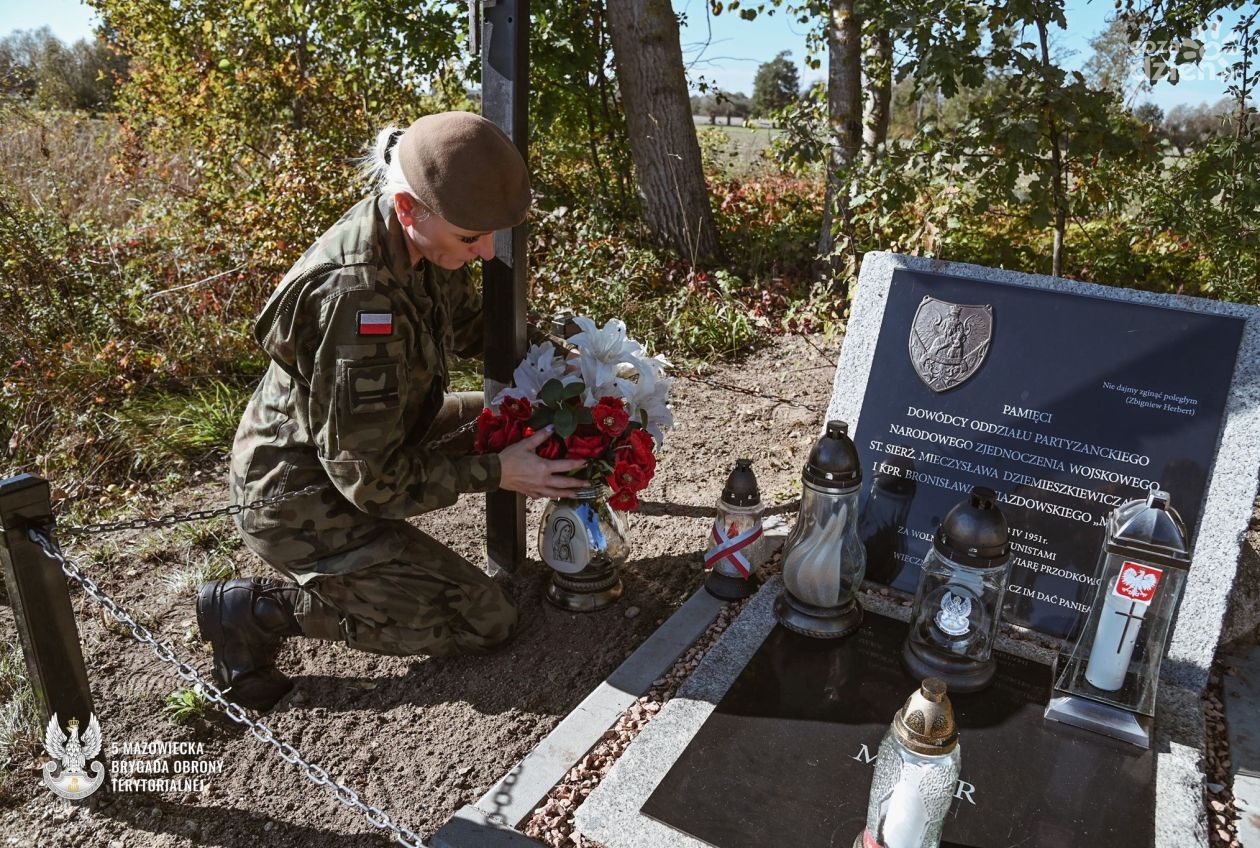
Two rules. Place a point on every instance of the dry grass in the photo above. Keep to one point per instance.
(64, 163)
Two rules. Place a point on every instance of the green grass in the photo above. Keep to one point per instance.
(165, 429)
(20, 732)
(735, 151)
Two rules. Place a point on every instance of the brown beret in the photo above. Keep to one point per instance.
(466, 170)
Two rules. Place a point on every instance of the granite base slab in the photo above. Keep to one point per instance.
(613, 813)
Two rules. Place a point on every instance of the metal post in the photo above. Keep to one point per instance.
(41, 603)
(504, 99)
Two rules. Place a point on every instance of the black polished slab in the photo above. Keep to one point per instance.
(1073, 405)
(787, 757)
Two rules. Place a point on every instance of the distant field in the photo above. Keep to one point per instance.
(740, 151)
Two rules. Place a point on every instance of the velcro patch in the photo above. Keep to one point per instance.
(376, 323)
(372, 388)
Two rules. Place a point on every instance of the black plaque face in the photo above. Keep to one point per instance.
(787, 756)
(1067, 405)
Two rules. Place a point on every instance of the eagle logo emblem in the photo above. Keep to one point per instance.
(954, 616)
(949, 341)
(66, 774)
(1138, 582)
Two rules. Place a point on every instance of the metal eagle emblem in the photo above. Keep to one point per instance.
(949, 341)
(66, 774)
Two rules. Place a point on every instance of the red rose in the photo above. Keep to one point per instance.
(624, 500)
(553, 448)
(488, 424)
(636, 449)
(585, 447)
(495, 432)
(518, 408)
(610, 416)
(626, 476)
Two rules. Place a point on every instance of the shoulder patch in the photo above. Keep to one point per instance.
(376, 323)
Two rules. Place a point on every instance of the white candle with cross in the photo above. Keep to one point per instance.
(1118, 628)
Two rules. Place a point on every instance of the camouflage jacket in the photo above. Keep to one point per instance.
(357, 338)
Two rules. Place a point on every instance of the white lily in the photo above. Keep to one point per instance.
(602, 350)
(649, 393)
(540, 365)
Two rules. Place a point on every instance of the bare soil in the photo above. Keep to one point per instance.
(417, 736)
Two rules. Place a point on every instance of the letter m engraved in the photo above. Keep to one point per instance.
(864, 755)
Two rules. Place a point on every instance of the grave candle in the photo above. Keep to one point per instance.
(738, 546)
(959, 600)
(1109, 680)
(915, 774)
(823, 558)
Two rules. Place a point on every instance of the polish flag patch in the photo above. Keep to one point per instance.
(376, 323)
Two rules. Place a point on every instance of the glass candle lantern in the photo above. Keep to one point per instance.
(916, 774)
(823, 558)
(959, 600)
(1109, 680)
(738, 546)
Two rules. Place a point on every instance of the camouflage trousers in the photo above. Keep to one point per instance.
(400, 591)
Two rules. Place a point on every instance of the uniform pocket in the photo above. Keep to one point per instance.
(369, 396)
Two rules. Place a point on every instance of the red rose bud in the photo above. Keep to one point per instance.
(585, 447)
(517, 408)
(610, 416)
(553, 448)
(624, 501)
(487, 424)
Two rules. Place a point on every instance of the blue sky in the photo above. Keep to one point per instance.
(725, 49)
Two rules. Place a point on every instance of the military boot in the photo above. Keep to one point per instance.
(245, 621)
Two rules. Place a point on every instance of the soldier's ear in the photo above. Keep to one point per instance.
(410, 211)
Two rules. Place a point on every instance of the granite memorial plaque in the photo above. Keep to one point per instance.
(787, 756)
(1067, 405)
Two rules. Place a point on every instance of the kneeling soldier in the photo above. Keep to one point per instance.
(358, 333)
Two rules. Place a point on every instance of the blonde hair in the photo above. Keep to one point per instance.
(381, 167)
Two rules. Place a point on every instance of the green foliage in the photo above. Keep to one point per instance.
(184, 706)
(776, 85)
(162, 428)
(36, 65)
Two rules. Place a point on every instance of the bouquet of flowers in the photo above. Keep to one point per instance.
(606, 405)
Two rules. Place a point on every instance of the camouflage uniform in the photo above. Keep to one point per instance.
(348, 403)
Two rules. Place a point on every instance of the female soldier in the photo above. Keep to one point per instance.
(358, 332)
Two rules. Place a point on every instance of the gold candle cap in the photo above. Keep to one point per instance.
(925, 724)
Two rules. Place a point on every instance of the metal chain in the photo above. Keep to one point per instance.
(313, 772)
(173, 518)
(695, 378)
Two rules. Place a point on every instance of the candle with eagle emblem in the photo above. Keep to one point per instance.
(1108, 681)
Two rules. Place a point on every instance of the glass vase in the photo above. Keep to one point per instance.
(585, 542)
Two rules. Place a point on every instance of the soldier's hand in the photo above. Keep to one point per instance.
(522, 470)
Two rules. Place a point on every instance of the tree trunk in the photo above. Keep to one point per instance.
(1056, 158)
(878, 69)
(844, 118)
(663, 145)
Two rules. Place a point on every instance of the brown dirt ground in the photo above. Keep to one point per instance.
(418, 737)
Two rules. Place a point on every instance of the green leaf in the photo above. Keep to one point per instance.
(542, 416)
(552, 392)
(566, 422)
(572, 390)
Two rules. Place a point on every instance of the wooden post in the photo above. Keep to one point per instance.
(41, 603)
(504, 99)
